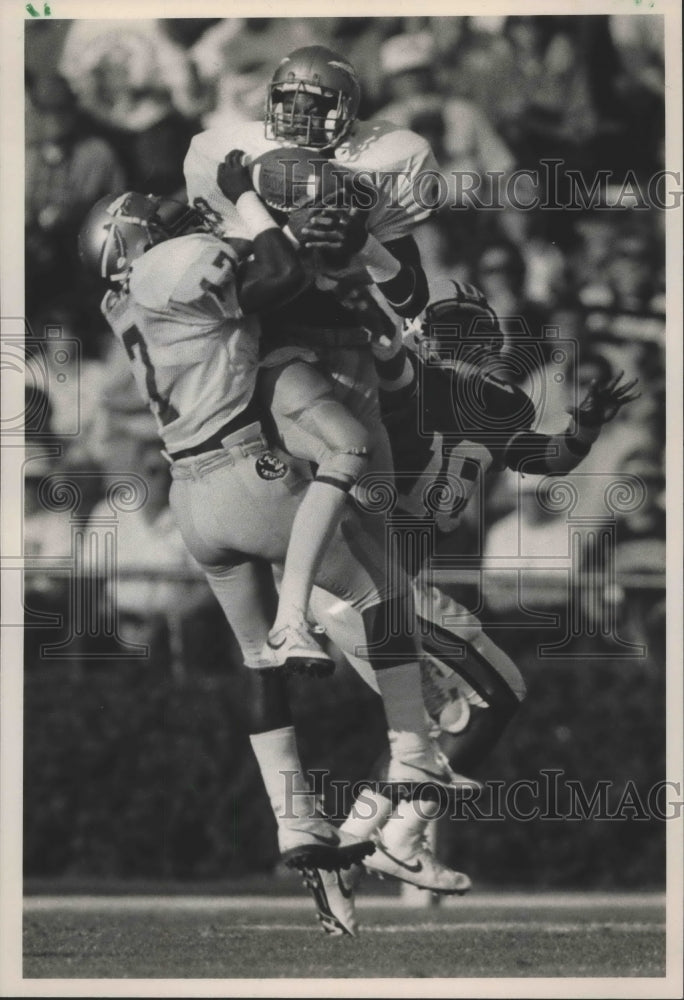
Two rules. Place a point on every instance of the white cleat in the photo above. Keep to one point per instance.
(295, 648)
(316, 843)
(427, 775)
(421, 868)
(333, 894)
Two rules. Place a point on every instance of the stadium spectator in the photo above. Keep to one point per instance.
(141, 88)
(638, 89)
(66, 171)
(466, 146)
(464, 138)
(235, 59)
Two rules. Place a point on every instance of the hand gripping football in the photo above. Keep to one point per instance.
(290, 178)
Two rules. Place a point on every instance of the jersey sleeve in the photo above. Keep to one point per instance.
(408, 185)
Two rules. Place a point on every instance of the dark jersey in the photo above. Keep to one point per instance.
(448, 430)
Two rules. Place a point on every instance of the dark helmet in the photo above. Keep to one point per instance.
(120, 228)
(464, 327)
(322, 72)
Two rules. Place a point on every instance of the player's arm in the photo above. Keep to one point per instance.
(395, 266)
(274, 273)
(558, 454)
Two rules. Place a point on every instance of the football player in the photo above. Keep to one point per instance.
(184, 310)
(456, 420)
(312, 103)
(328, 411)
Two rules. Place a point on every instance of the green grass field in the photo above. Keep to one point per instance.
(247, 937)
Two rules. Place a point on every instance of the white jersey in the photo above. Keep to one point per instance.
(194, 354)
(400, 164)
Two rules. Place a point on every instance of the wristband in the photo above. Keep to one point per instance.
(381, 265)
(570, 453)
(254, 213)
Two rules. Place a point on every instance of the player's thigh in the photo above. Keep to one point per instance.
(354, 381)
(311, 422)
(355, 384)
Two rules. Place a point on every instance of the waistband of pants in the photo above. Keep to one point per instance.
(242, 443)
(250, 415)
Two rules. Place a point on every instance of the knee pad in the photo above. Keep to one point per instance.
(342, 468)
(343, 444)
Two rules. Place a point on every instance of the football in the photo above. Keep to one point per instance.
(290, 178)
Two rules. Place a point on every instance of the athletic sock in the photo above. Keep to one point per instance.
(404, 831)
(370, 812)
(402, 696)
(281, 769)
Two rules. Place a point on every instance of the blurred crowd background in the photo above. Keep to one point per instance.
(112, 105)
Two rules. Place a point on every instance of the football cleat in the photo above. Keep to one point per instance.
(426, 775)
(420, 868)
(316, 843)
(295, 648)
(333, 894)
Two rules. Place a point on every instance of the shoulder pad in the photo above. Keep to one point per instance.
(216, 143)
(402, 168)
(171, 271)
(381, 145)
(207, 150)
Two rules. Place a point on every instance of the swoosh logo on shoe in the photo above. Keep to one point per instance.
(415, 867)
(277, 645)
